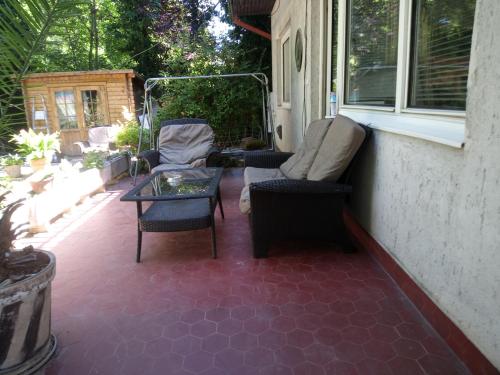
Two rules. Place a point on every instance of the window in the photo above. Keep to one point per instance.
(440, 53)
(286, 70)
(91, 100)
(402, 65)
(66, 109)
(335, 24)
(372, 43)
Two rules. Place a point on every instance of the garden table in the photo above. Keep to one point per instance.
(182, 199)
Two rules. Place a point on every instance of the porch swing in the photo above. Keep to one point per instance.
(148, 115)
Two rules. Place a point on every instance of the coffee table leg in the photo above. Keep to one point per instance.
(219, 200)
(139, 232)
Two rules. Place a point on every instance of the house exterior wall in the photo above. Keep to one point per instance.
(291, 16)
(116, 88)
(434, 208)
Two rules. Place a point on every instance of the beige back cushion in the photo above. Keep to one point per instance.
(297, 166)
(183, 144)
(342, 141)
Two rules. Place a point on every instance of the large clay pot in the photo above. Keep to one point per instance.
(13, 171)
(26, 343)
(38, 164)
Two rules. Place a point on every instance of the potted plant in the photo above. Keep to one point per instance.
(38, 148)
(25, 300)
(12, 165)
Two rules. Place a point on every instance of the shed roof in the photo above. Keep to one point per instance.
(251, 7)
(130, 72)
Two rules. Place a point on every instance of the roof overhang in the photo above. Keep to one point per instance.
(251, 7)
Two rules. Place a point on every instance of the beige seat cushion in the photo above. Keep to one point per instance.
(342, 141)
(254, 175)
(298, 165)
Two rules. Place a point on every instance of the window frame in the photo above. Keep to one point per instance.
(75, 105)
(437, 125)
(283, 38)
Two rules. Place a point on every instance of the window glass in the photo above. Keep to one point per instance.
(372, 40)
(66, 111)
(440, 51)
(335, 23)
(92, 108)
(286, 70)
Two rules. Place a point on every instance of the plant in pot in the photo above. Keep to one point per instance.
(26, 343)
(38, 148)
(12, 165)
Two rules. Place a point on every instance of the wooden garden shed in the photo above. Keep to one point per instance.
(71, 102)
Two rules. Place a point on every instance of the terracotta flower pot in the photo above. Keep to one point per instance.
(38, 164)
(25, 310)
(38, 186)
(13, 171)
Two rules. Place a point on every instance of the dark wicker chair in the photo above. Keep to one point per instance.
(152, 157)
(297, 209)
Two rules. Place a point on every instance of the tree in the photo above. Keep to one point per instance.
(24, 28)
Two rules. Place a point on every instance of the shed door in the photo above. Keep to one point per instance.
(79, 108)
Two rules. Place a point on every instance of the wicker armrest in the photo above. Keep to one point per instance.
(266, 159)
(300, 187)
(151, 157)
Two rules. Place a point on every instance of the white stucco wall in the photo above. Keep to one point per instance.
(436, 209)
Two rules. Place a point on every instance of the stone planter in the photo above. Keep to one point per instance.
(67, 191)
(26, 343)
(115, 167)
(13, 171)
(38, 164)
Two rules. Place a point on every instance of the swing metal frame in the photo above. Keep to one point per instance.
(147, 111)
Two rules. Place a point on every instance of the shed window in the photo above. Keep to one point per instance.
(93, 115)
(66, 109)
(440, 53)
(372, 46)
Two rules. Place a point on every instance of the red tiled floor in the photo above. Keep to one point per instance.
(308, 309)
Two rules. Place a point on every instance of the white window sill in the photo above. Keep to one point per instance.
(448, 131)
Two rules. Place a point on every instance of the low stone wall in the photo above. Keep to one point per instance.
(67, 191)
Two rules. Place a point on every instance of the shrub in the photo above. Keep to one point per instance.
(11, 159)
(36, 145)
(128, 136)
(94, 159)
(255, 144)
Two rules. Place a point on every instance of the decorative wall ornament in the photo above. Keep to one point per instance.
(298, 50)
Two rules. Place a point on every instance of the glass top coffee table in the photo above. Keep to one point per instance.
(183, 199)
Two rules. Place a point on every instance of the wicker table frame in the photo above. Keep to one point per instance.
(174, 213)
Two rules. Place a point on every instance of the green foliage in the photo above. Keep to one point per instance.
(255, 144)
(128, 136)
(94, 159)
(24, 27)
(36, 145)
(11, 159)
(232, 106)
(154, 37)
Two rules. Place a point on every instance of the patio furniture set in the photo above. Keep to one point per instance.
(287, 196)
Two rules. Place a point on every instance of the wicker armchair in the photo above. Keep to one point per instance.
(153, 157)
(297, 209)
